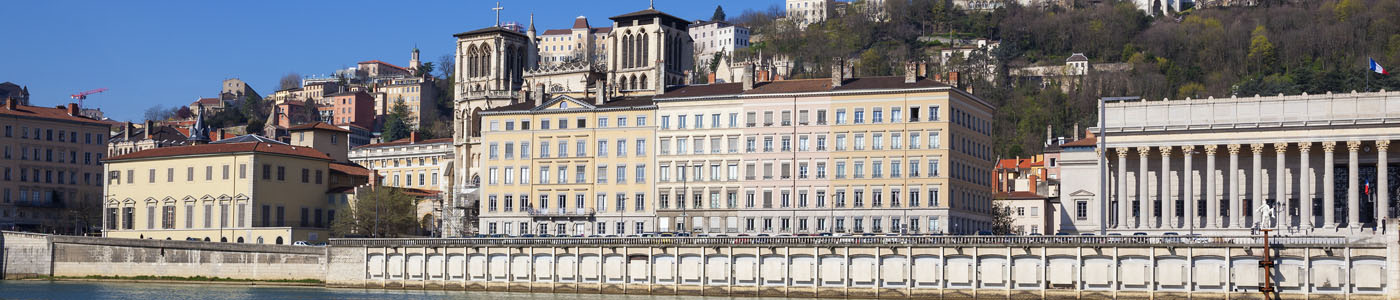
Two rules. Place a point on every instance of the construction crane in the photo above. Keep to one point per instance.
(83, 95)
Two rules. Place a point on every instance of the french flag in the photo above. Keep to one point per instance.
(1375, 67)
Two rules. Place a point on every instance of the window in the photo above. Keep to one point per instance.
(933, 113)
(665, 122)
(733, 120)
(1081, 210)
(840, 117)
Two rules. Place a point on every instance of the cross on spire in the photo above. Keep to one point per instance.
(498, 9)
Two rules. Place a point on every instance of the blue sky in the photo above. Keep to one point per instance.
(171, 52)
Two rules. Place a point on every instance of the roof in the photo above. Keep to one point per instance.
(557, 32)
(647, 12)
(209, 101)
(628, 101)
(1023, 163)
(351, 169)
(798, 86)
(406, 141)
(383, 63)
(186, 133)
(224, 148)
(168, 133)
(1077, 57)
(246, 139)
(1084, 142)
(703, 23)
(416, 192)
(488, 30)
(1018, 195)
(347, 93)
(318, 125)
(51, 113)
(599, 30)
(580, 23)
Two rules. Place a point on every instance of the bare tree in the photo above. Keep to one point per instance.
(158, 113)
(447, 63)
(289, 81)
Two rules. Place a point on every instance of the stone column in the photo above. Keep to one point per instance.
(1256, 185)
(1188, 190)
(1124, 212)
(1168, 203)
(1280, 183)
(1144, 194)
(1212, 193)
(1305, 192)
(1329, 185)
(1382, 182)
(1232, 182)
(1353, 187)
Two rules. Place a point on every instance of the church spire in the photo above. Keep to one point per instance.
(198, 133)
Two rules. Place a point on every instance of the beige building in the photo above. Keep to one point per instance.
(862, 155)
(569, 166)
(234, 191)
(1023, 190)
(423, 167)
(52, 170)
(1304, 164)
(806, 12)
(418, 95)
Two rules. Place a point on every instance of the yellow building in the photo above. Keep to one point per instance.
(568, 166)
(424, 168)
(52, 169)
(245, 189)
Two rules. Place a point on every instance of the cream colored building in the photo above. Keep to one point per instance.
(423, 167)
(569, 166)
(52, 167)
(806, 12)
(863, 155)
(244, 192)
(418, 95)
(1301, 164)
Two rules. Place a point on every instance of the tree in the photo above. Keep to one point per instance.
(719, 14)
(447, 64)
(396, 123)
(1261, 51)
(379, 212)
(424, 70)
(289, 81)
(183, 113)
(158, 113)
(1001, 219)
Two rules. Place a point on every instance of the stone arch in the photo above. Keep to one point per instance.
(279, 240)
(240, 240)
(626, 59)
(643, 81)
(223, 239)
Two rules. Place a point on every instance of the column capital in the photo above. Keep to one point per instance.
(1329, 146)
(1382, 145)
(1144, 150)
(1353, 146)
(1122, 152)
(1210, 149)
(1304, 147)
(1257, 147)
(1233, 148)
(1281, 148)
(1166, 150)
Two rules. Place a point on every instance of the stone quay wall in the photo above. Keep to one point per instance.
(31, 255)
(878, 267)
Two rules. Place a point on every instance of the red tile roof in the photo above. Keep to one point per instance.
(351, 169)
(306, 152)
(52, 113)
(1024, 163)
(1084, 142)
(383, 63)
(580, 23)
(317, 125)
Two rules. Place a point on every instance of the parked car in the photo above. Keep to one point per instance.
(300, 243)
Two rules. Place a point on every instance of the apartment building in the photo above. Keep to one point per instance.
(569, 166)
(52, 167)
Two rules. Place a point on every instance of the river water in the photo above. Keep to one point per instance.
(35, 289)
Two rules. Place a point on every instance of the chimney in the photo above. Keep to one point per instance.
(953, 79)
(748, 76)
(1033, 183)
(1076, 131)
(218, 135)
(73, 109)
(412, 137)
(911, 72)
(837, 72)
(923, 68)
(149, 127)
(601, 97)
(660, 79)
(10, 103)
(539, 94)
(126, 131)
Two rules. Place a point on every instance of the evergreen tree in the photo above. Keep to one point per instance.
(379, 212)
(396, 122)
(719, 14)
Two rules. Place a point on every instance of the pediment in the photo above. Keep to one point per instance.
(563, 103)
(1081, 193)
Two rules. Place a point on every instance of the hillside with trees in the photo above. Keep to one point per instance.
(1279, 46)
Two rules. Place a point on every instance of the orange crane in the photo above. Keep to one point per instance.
(83, 95)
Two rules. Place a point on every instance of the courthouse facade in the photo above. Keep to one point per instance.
(1299, 164)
